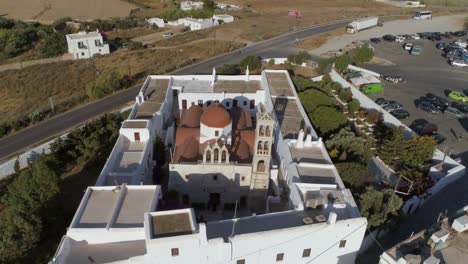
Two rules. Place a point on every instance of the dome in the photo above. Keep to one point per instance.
(243, 151)
(215, 115)
(191, 117)
(188, 151)
(241, 119)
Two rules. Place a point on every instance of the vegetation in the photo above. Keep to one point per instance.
(327, 119)
(229, 69)
(159, 151)
(303, 84)
(379, 206)
(31, 205)
(135, 45)
(345, 146)
(299, 58)
(113, 23)
(54, 44)
(356, 56)
(355, 175)
(174, 14)
(311, 99)
(353, 106)
(104, 85)
(254, 63)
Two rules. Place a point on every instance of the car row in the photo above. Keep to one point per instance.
(393, 107)
(434, 104)
(423, 128)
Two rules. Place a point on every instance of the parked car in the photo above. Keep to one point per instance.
(427, 106)
(435, 37)
(390, 38)
(438, 138)
(399, 39)
(458, 63)
(416, 50)
(167, 34)
(375, 40)
(458, 96)
(455, 112)
(380, 101)
(415, 36)
(460, 106)
(424, 35)
(423, 127)
(459, 33)
(372, 88)
(392, 107)
(447, 35)
(438, 101)
(408, 46)
(441, 45)
(400, 113)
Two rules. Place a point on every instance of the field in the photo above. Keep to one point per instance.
(47, 11)
(28, 90)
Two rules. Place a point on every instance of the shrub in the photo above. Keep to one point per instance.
(348, 146)
(311, 99)
(230, 69)
(302, 83)
(271, 62)
(54, 44)
(253, 62)
(374, 116)
(104, 85)
(135, 45)
(327, 119)
(345, 95)
(379, 206)
(354, 174)
(323, 65)
(299, 58)
(354, 106)
(362, 55)
(342, 62)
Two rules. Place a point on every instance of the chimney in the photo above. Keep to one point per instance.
(213, 75)
(247, 74)
(308, 141)
(300, 139)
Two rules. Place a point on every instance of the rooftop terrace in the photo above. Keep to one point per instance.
(154, 95)
(279, 84)
(220, 86)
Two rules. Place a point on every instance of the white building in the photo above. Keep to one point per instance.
(155, 22)
(253, 179)
(197, 24)
(84, 45)
(189, 5)
(224, 18)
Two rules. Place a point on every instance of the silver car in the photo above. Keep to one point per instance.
(455, 112)
(392, 107)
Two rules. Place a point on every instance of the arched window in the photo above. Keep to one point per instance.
(208, 155)
(223, 156)
(261, 131)
(216, 155)
(260, 147)
(268, 131)
(266, 148)
(261, 166)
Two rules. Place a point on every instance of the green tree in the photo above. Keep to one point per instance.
(104, 85)
(299, 58)
(230, 69)
(209, 5)
(54, 44)
(345, 95)
(159, 151)
(354, 106)
(362, 55)
(342, 62)
(327, 119)
(393, 147)
(253, 62)
(303, 83)
(379, 206)
(311, 99)
(354, 174)
(419, 151)
(348, 146)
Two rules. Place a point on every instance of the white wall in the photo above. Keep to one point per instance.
(207, 133)
(243, 99)
(90, 48)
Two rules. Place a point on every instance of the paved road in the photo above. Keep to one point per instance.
(11, 145)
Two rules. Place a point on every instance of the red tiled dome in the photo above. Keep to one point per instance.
(215, 115)
(191, 117)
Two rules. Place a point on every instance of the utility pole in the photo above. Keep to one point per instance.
(214, 42)
(51, 103)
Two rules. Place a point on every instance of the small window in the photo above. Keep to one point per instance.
(99, 50)
(82, 53)
(200, 102)
(243, 178)
(306, 253)
(175, 252)
(228, 104)
(279, 257)
(342, 243)
(215, 177)
(193, 103)
(252, 104)
(216, 133)
(245, 103)
(240, 261)
(208, 103)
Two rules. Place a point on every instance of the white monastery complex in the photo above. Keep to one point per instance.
(246, 180)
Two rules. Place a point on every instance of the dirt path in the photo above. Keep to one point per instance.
(20, 65)
(406, 26)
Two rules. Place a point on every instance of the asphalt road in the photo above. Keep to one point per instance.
(24, 139)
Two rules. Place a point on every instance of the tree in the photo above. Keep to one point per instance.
(252, 62)
(299, 58)
(354, 106)
(104, 85)
(311, 99)
(230, 69)
(209, 5)
(419, 151)
(393, 146)
(362, 55)
(135, 45)
(303, 83)
(348, 146)
(354, 174)
(54, 44)
(342, 62)
(345, 95)
(379, 206)
(327, 119)
(159, 151)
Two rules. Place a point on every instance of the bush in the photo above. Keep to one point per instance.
(346, 146)
(354, 106)
(311, 99)
(342, 62)
(104, 85)
(303, 84)
(327, 119)
(345, 95)
(379, 206)
(135, 45)
(374, 116)
(354, 174)
(362, 55)
(230, 69)
(54, 44)
(253, 62)
(299, 58)
(323, 64)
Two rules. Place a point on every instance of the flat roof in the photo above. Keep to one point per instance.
(308, 154)
(81, 252)
(99, 208)
(289, 116)
(82, 36)
(236, 86)
(279, 84)
(175, 224)
(134, 206)
(316, 175)
(155, 94)
(135, 123)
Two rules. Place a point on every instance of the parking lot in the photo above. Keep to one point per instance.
(427, 73)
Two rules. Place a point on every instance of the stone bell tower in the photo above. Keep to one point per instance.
(261, 159)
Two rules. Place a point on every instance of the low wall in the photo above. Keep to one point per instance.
(444, 177)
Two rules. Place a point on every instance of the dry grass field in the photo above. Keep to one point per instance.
(28, 90)
(47, 11)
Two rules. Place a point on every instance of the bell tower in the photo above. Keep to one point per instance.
(261, 159)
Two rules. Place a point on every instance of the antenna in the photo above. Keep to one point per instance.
(234, 221)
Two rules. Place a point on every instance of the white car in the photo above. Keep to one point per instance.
(461, 43)
(415, 36)
(167, 34)
(408, 46)
(459, 63)
(399, 39)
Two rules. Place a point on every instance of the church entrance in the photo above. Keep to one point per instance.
(215, 199)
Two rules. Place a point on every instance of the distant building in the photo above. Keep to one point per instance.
(227, 7)
(197, 24)
(156, 22)
(84, 45)
(189, 5)
(247, 181)
(224, 18)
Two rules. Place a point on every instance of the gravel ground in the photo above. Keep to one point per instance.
(407, 26)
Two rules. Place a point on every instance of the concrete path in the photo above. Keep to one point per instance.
(405, 26)
(23, 64)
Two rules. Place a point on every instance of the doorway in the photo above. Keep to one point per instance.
(215, 199)
(184, 104)
(136, 135)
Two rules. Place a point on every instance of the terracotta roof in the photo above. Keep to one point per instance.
(241, 119)
(191, 117)
(215, 115)
(243, 146)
